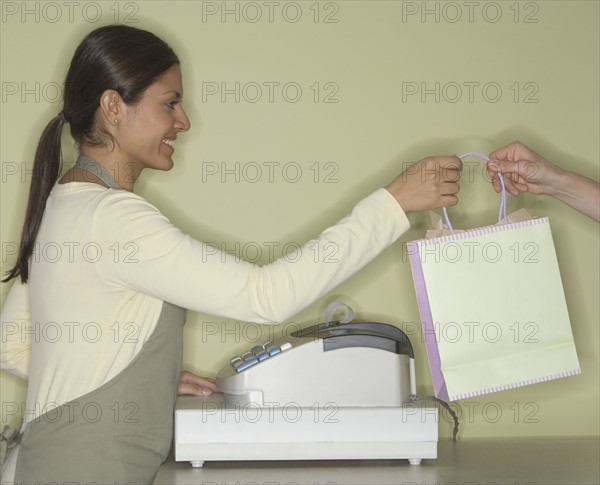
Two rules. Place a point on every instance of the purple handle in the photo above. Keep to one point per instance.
(502, 201)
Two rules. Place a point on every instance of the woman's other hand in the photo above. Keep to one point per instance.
(191, 384)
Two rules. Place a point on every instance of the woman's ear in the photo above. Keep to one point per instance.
(111, 107)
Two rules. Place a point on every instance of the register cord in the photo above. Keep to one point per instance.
(445, 405)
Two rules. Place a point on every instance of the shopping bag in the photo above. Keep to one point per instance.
(492, 306)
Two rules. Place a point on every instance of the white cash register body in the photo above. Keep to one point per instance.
(331, 391)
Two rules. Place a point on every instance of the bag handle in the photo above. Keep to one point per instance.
(502, 210)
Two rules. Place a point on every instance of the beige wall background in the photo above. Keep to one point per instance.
(333, 100)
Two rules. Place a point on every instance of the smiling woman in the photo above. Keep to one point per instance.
(99, 337)
(146, 130)
(107, 80)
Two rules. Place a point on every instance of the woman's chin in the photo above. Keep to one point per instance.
(165, 165)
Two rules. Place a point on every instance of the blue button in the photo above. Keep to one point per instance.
(274, 351)
(245, 365)
(263, 356)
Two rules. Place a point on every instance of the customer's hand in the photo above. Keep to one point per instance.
(524, 170)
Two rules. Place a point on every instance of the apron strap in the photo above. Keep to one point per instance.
(9, 438)
(86, 163)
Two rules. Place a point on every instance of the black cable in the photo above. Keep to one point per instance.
(444, 404)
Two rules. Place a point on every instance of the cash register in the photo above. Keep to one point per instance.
(335, 390)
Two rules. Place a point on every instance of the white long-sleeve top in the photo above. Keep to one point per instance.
(106, 259)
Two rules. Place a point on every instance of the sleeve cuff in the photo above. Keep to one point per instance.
(391, 205)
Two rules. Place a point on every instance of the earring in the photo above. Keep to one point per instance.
(116, 121)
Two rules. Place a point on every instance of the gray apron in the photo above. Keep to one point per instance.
(119, 433)
(122, 431)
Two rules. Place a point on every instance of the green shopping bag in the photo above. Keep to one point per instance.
(492, 307)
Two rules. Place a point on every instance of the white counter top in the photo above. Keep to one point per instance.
(468, 462)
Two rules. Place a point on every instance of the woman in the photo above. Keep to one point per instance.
(98, 329)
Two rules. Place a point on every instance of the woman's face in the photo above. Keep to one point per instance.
(147, 131)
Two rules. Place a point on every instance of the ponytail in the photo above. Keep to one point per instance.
(46, 169)
(117, 57)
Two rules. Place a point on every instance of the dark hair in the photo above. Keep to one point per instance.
(117, 57)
